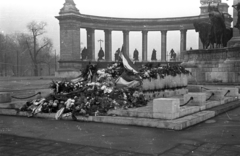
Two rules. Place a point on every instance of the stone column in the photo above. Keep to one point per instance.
(91, 44)
(126, 42)
(108, 45)
(144, 45)
(235, 41)
(163, 45)
(69, 41)
(183, 41)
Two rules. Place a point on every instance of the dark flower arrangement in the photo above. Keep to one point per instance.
(95, 91)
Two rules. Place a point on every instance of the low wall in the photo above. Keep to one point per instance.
(213, 65)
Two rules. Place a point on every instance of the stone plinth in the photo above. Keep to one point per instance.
(216, 95)
(166, 105)
(198, 98)
(233, 92)
(5, 97)
(235, 41)
(214, 65)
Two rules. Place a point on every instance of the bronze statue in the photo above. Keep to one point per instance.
(173, 54)
(218, 26)
(237, 7)
(84, 53)
(117, 53)
(100, 54)
(135, 55)
(204, 29)
(154, 55)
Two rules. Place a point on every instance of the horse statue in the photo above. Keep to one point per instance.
(204, 29)
(218, 26)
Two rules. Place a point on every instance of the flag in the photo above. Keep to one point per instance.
(59, 113)
(128, 80)
(121, 82)
(127, 63)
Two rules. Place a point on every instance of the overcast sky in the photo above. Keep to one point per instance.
(16, 14)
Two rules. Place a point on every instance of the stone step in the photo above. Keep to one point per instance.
(176, 124)
(147, 112)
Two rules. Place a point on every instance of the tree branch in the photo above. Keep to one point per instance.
(42, 48)
(30, 52)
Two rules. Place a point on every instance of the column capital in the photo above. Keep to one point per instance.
(107, 30)
(144, 31)
(163, 31)
(90, 29)
(125, 31)
(183, 30)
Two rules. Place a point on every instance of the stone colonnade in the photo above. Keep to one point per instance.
(71, 40)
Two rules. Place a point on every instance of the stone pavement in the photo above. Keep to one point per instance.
(11, 145)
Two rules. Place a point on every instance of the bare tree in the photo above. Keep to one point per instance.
(33, 43)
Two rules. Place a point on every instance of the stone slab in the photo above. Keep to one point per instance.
(194, 88)
(147, 111)
(233, 92)
(166, 105)
(198, 98)
(13, 104)
(5, 97)
(218, 94)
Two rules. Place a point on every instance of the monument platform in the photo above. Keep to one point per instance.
(177, 119)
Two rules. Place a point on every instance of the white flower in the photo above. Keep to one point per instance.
(103, 87)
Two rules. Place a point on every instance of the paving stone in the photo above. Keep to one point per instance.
(211, 145)
(123, 154)
(48, 154)
(5, 154)
(198, 153)
(186, 146)
(137, 154)
(107, 151)
(89, 149)
(61, 150)
(231, 148)
(17, 151)
(227, 152)
(47, 148)
(95, 154)
(204, 149)
(45, 142)
(29, 146)
(170, 154)
(31, 153)
(180, 150)
(77, 152)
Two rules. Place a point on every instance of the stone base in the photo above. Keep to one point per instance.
(213, 65)
(234, 42)
(67, 73)
(5, 97)
(177, 124)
